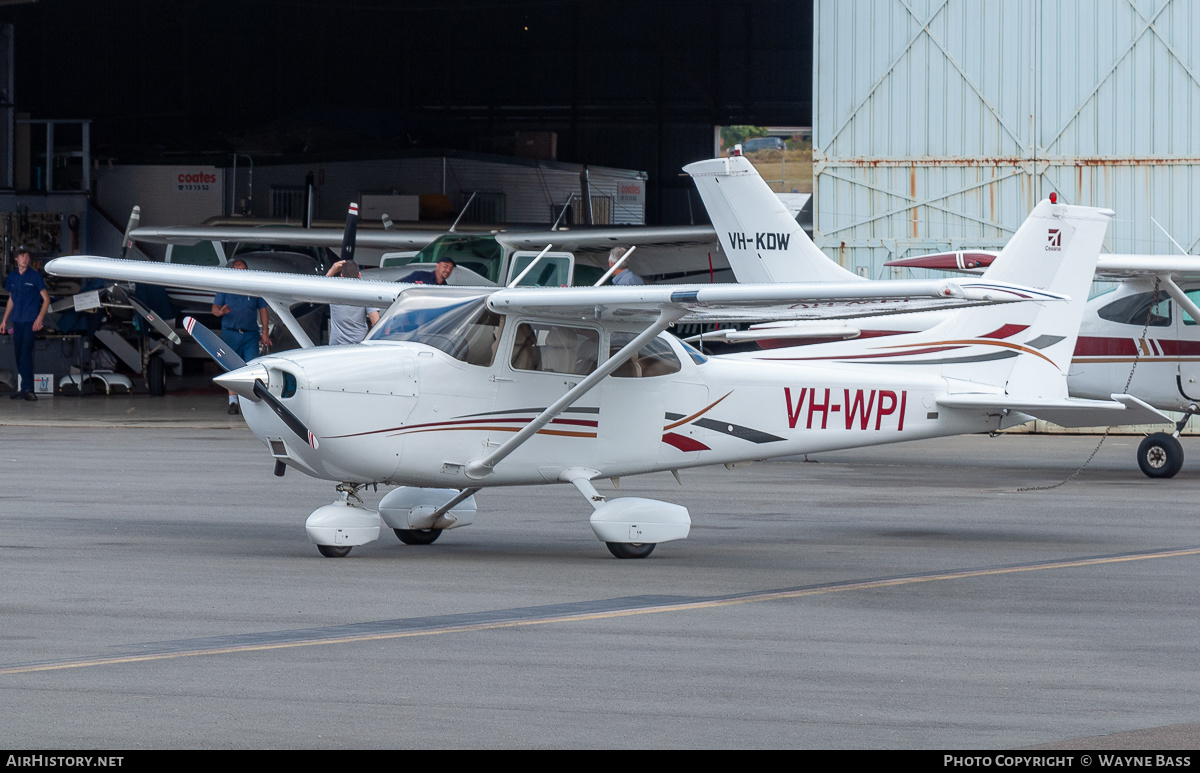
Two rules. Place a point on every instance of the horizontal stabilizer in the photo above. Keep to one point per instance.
(1122, 410)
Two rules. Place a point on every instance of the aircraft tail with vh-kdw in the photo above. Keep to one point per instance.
(761, 239)
(1010, 359)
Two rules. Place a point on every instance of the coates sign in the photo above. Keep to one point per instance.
(630, 191)
(195, 181)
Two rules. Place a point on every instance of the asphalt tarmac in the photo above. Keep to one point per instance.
(159, 592)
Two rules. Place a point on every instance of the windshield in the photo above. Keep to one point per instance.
(457, 322)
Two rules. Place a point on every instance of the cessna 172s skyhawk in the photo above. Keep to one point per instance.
(1147, 327)
(459, 389)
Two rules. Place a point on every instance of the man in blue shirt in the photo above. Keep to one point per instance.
(623, 276)
(441, 272)
(23, 316)
(240, 317)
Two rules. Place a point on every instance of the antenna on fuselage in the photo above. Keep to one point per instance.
(562, 212)
(1177, 246)
(463, 212)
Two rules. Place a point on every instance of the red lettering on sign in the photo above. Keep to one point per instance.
(199, 177)
(793, 414)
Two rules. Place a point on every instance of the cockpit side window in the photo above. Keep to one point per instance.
(654, 359)
(1194, 297)
(1135, 309)
(555, 348)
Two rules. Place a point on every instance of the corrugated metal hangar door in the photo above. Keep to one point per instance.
(937, 124)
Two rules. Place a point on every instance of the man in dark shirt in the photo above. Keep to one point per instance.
(441, 272)
(23, 316)
(241, 316)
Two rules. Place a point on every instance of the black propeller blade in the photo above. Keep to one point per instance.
(289, 418)
(212, 343)
(156, 322)
(135, 217)
(351, 233)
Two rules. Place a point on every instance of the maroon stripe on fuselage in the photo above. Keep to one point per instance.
(683, 443)
(1005, 331)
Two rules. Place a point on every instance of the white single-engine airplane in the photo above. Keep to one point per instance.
(459, 389)
(1147, 327)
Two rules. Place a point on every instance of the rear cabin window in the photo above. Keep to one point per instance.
(555, 348)
(1136, 309)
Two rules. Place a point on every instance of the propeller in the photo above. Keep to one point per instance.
(288, 418)
(212, 343)
(248, 381)
(349, 235)
(120, 296)
(135, 217)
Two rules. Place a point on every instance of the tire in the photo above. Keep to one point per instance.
(418, 536)
(156, 376)
(334, 551)
(1160, 455)
(631, 549)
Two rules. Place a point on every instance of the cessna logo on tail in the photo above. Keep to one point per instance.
(1054, 240)
(760, 241)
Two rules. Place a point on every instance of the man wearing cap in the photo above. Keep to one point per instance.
(441, 272)
(241, 316)
(349, 324)
(23, 316)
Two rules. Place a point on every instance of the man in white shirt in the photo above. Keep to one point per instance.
(349, 324)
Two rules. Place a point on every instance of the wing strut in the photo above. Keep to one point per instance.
(290, 322)
(482, 467)
(1180, 297)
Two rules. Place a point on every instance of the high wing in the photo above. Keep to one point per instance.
(1112, 266)
(578, 239)
(601, 240)
(291, 235)
(713, 303)
(289, 288)
(703, 303)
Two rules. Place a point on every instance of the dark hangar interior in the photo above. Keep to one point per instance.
(637, 85)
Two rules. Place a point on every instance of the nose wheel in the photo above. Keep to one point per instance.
(630, 549)
(333, 551)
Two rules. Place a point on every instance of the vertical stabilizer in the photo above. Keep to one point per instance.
(761, 239)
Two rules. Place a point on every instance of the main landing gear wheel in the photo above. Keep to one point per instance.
(334, 551)
(1160, 455)
(156, 376)
(631, 549)
(418, 536)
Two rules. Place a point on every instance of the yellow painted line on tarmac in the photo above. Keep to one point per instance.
(749, 598)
